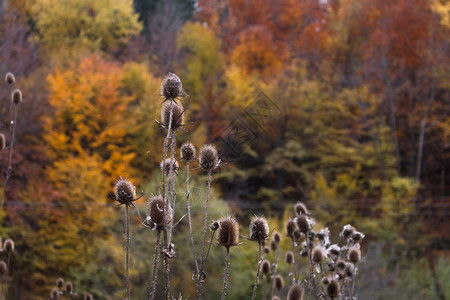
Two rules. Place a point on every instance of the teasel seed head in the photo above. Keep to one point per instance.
(357, 236)
(124, 191)
(208, 158)
(187, 152)
(177, 115)
(303, 223)
(214, 225)
(87, 296)
(59, 283)
(273, 245)
(297, 234)
(289, 257)
(295, 292)
(9, 78)
(291, 226)
(279, 282)
(318, 254)
(266, 250)
(333, 250)
(171, 87)
(228, 232)
(259, 229)
(2, 141)
(332, 289)
(3, 268)
(69, 287)
(54, 295)
(17, 96)
(325, 281)
(354, 255)
(350, 269)
(277, 237)
(347, 231)
(155, 212)
(300, 209)
(166, 164)
(265, 267)
(9, 246)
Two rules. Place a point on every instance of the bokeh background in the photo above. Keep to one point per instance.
(361, 134)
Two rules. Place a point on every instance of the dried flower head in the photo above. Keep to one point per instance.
(17, 96)
(297, 234)
(9, 78)
(266, 250)
(325, 281)
(3, 268)
(357, 236)
(259, 229)
(208, 158)
(279, 282)
(69, 287)
(214, 225)
(291, 226)
(60, 283)
(340, 265)
(87, 296)
(277, 237)
(9, 246)
(273, 245)
(295, 292)
(354, 254)
(333, 250)
(318, 254)
(177, 115)
(265, 267)
(332, 289)
(171, 87)
(166, 164)
(228, 232)
(54, 295)
(2, 141)
(347, 231)
(350, 270)
(300, 209)
(124, 191)
(304, 223)
(289, 257)
(155, 213)
(187, 152)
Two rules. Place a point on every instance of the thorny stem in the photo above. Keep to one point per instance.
(265, 287)
(189, 215)
(199, 277)
(127, 250)
(10, 150)
(352, 291)
(295, 261)
(275, 265)
(257, 271)
(171, 185)
(166, 202)
(209, 248)
(205, 222)
(155, 265)
(225, 276)
(311, 270)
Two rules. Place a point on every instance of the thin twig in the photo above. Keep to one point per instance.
(189, 216)
(257, 271)
(172, 181)
(225, 277)
(311, 269)
(155, 264)
(127, 250)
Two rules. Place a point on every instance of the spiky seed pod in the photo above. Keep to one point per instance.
(273, 245)
(69, 287)
(155, 212)
(332, 289)
(275, 298)
(228, 232)
(59, 283)
(54, 295)
(2, 141)
(9, 78)
(265, 267)
(350, 270)
(354, 255)
(331, 266)
(3, 268)
(340, 264)
(171, 87)
(357, 236)
(300, 209)
(266, 250)
(17, 96)
(208, 158)
(279, 282)
(291, 226)
(177, 115)
(295, 292)
(277, 237)
(214, 225)
(334, 250)
(303, 223)
(9, 246)
(187, 151)
(318, 254)
(165, 165)
(347, 231)
(87, 296)
(259, 229)
(297, 234)
(325, 281)
(289, 257)
(124, 191)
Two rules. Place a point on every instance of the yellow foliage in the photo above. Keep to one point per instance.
(443, 9)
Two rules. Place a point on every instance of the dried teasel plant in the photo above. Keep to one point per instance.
(259, 232)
